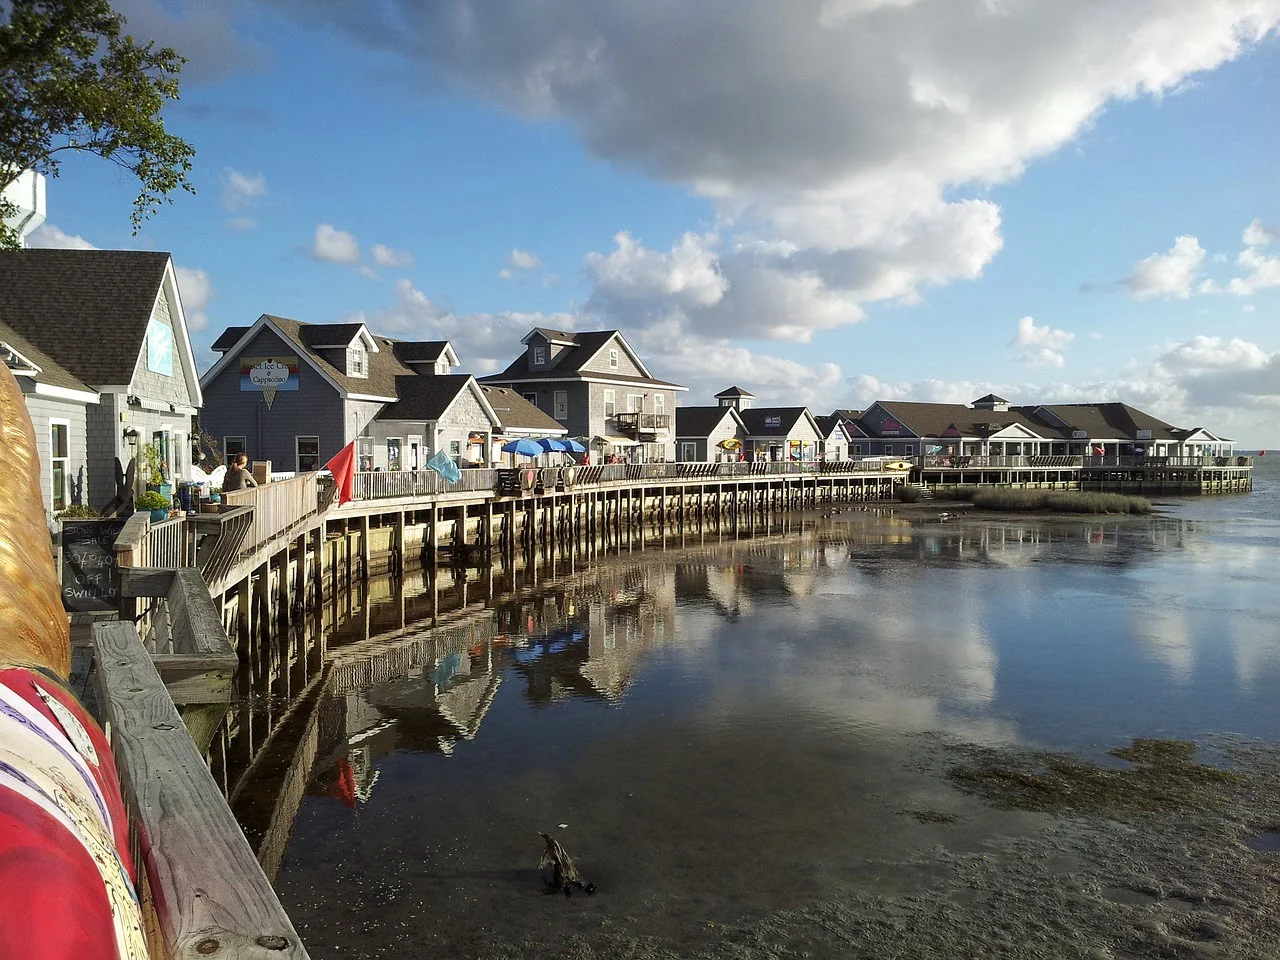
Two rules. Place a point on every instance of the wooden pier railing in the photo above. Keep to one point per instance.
(1239, 462)
(202, 891)
(277, 507)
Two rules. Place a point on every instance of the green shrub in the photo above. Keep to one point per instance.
(908, 494)
(152, 500)
(966, 493)
(1059, 501)
(77, 511)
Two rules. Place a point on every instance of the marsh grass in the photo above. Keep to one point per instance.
(1164, 776)
(1059, 501)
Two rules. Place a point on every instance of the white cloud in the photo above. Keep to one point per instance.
(334, 246)
(239, 188)
(1256, 235)
(523, 260)
(242, 223)
(831, 135)
(1042, 346)
(196, 291)
(1168, 275)
(1229, 385)
(384, 256)
(1263, 272)
(47, 235)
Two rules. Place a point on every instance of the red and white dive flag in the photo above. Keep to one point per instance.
(343, 468)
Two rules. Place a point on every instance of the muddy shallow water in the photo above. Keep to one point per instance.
(753, 750)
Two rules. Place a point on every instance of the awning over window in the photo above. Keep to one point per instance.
(618, 441)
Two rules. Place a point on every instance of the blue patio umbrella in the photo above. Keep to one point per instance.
(552, 445)
(573, 446)
(523, 447)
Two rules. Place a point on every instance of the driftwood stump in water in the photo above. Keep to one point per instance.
(559, 871)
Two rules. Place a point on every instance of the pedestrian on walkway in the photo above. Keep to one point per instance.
(238, 476)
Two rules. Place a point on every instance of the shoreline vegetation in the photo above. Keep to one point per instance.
(1045, 501)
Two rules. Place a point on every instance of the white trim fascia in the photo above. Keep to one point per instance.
(597, 378)
(178, 320)
(1020, 433)
(368, 396)
(31, 368)
(495, 421)
(532, 431)
(65, 393)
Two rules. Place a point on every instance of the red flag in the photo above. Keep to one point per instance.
(343, 468)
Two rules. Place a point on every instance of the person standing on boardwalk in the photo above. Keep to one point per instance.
(238, 476)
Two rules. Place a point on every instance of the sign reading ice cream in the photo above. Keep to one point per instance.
(268, 375)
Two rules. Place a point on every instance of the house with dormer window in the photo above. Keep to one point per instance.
(296, 393)
(98, 343)
(598, 388)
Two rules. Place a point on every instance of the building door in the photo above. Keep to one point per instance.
(560, 403)
(688, 451)
(415, 457)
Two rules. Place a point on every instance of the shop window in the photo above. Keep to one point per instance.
(364, 453)
(59, 457)
(393, 453)
(233, 447)
(455, 448)
(888, 448)
(308, 453)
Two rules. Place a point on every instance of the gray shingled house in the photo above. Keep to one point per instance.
(780, 433)
(835, 438)
(596, 386)
(104, 325)
(296, 393)
(708, 434)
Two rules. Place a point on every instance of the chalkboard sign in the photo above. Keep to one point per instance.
(89, 580)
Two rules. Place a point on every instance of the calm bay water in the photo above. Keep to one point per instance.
(726, 731)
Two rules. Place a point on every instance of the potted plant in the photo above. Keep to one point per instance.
(154, 502)
(154, 470)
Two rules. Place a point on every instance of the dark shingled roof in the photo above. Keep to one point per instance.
(51, 372)
(754, 418)
(1103, 420)
(699, 421)
(551, 334)
(330, 334)
(991, 398)
(933, 419)
(419, 351)
(517, 413)
(569, 366)
(734, 392)
(229, 338)
(384, 367)
(424, 398)
(845, 413)
(827, 424)
(87, 308)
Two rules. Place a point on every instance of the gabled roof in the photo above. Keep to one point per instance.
(424, 398)
(702, 421)
(425, 351)
(991, 398)
(933, 419)
(846, 413)
(46, 369)
(1101, 420)
(756, 420)
(517, 413)
(734, 392)
(585, 346)
(87, 308)
(555, 336)
(337, 336)
(828, 425)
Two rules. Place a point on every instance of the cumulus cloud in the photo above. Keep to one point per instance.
(1256, 235)
(238, 189)
(1169, 275)
(384, 256)
(47, 235)
(523, 260)
(196, 291)
(833, 136)
(1262, 271)
(1040, 346)
(201, 32)
(334, 246)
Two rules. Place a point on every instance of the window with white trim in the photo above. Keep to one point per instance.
(307, 453)
(357, 362)
(610, 404)
(635, 402)
(539, 355)
(233, 446)
(59, 461)
(393, 453)
(908, 449)
(688, 451)
(857, 449)
(560, 405)
(613, 359)
(364, 453)
(659, 403)
(888, 448)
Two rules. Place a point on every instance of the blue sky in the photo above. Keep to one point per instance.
(825, 201)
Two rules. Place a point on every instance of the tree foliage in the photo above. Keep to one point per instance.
(72, 80)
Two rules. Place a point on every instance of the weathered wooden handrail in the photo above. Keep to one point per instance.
(203, 891)
(976, 461)
(1238, 462)
(189, 644)
(277, 507)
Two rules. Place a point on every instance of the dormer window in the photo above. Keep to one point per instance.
(539, 355)
(442, 367)
(357, 361)
(613, 359)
